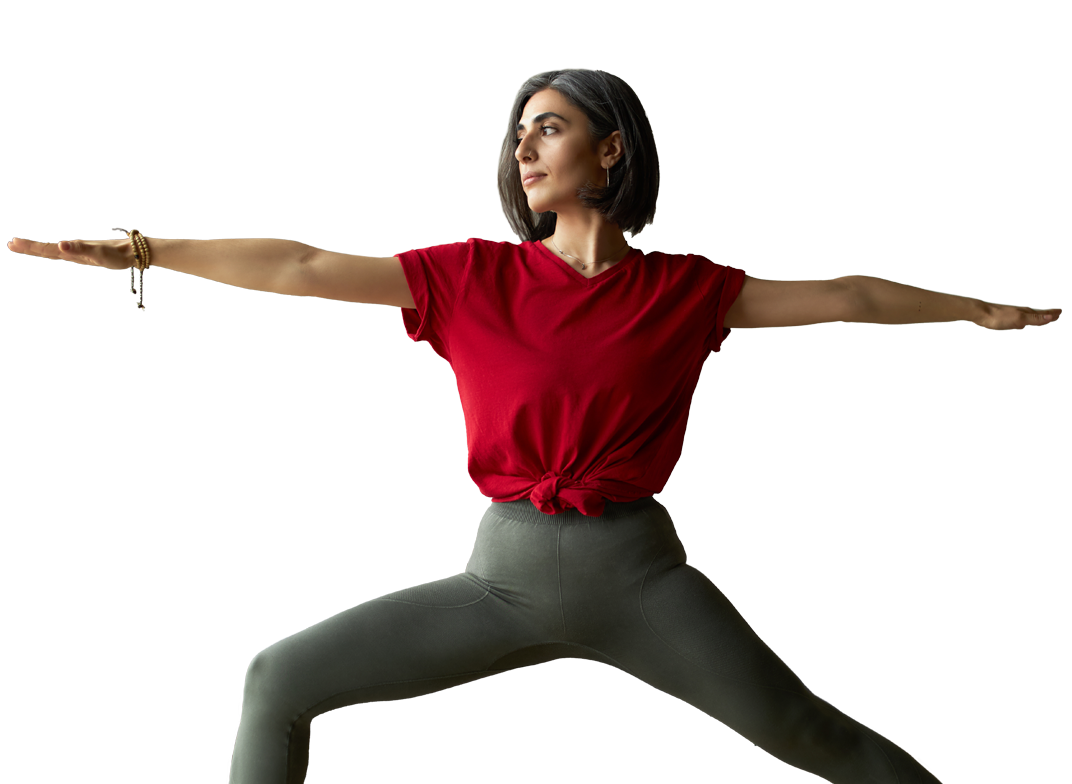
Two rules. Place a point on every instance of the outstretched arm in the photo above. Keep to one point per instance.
(879, 301)
(860, 298)
(790, 303)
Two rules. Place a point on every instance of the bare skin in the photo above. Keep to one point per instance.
(560, 149)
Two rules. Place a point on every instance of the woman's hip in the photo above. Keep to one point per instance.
(570, 557)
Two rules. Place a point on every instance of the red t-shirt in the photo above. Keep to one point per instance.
(574, 390)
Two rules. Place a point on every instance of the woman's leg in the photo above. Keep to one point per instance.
(405, 644)
(689, 641)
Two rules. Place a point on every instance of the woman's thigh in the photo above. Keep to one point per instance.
(688, 640)
(405, 644)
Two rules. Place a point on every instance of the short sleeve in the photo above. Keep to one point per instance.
(719, 286)
(435, 277)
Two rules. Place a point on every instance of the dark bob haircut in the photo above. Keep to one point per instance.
(610, 105)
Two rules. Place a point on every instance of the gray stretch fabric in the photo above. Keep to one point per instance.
(613, 589)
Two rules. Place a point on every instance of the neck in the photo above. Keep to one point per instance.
(589, 237)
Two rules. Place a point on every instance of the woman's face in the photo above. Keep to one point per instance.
(556, 146)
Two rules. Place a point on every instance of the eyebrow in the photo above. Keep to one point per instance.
(539, 118)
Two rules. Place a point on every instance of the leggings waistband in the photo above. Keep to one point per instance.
(524, 511)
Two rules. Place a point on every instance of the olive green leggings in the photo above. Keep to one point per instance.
(613, 589)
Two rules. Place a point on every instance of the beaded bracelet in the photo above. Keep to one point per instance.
(141, 256)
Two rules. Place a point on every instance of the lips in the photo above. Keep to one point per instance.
(531, 178)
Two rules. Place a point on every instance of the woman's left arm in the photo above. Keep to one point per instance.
(879, 301)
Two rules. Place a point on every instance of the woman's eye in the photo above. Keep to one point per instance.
(542, 128)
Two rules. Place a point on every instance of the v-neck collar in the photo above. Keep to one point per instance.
(628, 259)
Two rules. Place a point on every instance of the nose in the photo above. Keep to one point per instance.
(523, 151)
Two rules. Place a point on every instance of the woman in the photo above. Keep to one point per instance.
(576, 357)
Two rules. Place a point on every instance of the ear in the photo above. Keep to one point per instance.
(611, 149)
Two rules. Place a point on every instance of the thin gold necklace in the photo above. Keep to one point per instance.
(582, 263)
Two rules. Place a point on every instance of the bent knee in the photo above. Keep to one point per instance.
(831, 729)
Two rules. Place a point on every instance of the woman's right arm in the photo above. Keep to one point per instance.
(273, 265)
(258, 264)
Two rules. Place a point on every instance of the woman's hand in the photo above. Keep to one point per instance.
(1012, 317)
(110, 254)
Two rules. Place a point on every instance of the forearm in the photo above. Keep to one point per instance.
(258, 264)
(879, 301)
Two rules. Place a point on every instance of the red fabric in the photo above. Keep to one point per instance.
(575, 390)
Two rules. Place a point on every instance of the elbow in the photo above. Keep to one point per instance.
(854, 299)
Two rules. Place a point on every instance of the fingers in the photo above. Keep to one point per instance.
(31, 248)
(48, 250)
(44, 250)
